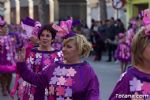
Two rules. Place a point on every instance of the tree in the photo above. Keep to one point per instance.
(42, 11)
(103, 9)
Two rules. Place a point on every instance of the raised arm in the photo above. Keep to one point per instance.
(38, 79)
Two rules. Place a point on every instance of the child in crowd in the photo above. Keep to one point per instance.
(123, 52)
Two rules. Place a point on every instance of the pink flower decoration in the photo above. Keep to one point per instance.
(47, 62)
(146, 16)
(54, 56)
(64, 28)
(60, 91)
(146, 21)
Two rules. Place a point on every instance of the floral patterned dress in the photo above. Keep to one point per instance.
(123, 52)
(64, 81)
(37, 62)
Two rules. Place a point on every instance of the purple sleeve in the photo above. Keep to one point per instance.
(121, 88)
(38, 79)
(93, 90)
(93, 87)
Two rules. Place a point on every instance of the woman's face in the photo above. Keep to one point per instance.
(146, 53)
(3, 30)
(70, 51)
(45, 38)
(123, 39)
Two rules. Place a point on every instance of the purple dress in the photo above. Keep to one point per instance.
(36, 62)
(123, 52)
(130, 35)
(133, 83)
(7, 55)
(64, 81)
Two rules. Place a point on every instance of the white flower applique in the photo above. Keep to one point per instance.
(64, 71)
(56, 59)
(71, 72)
(135, 85)
(57, 71)
(51, 90)
(61, 81)
(38, 55)
(54, 80)
(60, 54)
(46, 91)
(31, 97)
(31, 60)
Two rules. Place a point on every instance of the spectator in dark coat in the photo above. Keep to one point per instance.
(119, 27)
(98, 45)
(110, 35)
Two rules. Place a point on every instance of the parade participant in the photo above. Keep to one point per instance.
(28, 41)
(131, 31)
(68, 79)
(63, 29)
(7, 57)
(134, 84)
(123, 52)
(38, 59)
(98, 45)
(134, 26)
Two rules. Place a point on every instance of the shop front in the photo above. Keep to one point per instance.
(134, 7)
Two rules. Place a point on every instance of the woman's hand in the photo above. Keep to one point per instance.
(21, 55)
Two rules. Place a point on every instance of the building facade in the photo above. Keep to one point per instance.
(134, 7)
(2, 7)
(15, 10)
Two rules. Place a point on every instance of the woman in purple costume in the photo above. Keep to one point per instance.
(7, 58)
(134, 84)
(39, 59)
(72, 79)
(123, 52)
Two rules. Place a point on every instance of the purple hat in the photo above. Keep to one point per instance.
(65, 28)
(76, 22)
(146, 21)
(28, 25)
(28, 21)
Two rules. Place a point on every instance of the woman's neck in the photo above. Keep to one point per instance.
(45, 48)
(72, 61)
(145, 68)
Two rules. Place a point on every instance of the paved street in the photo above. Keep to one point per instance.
(108, 73)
